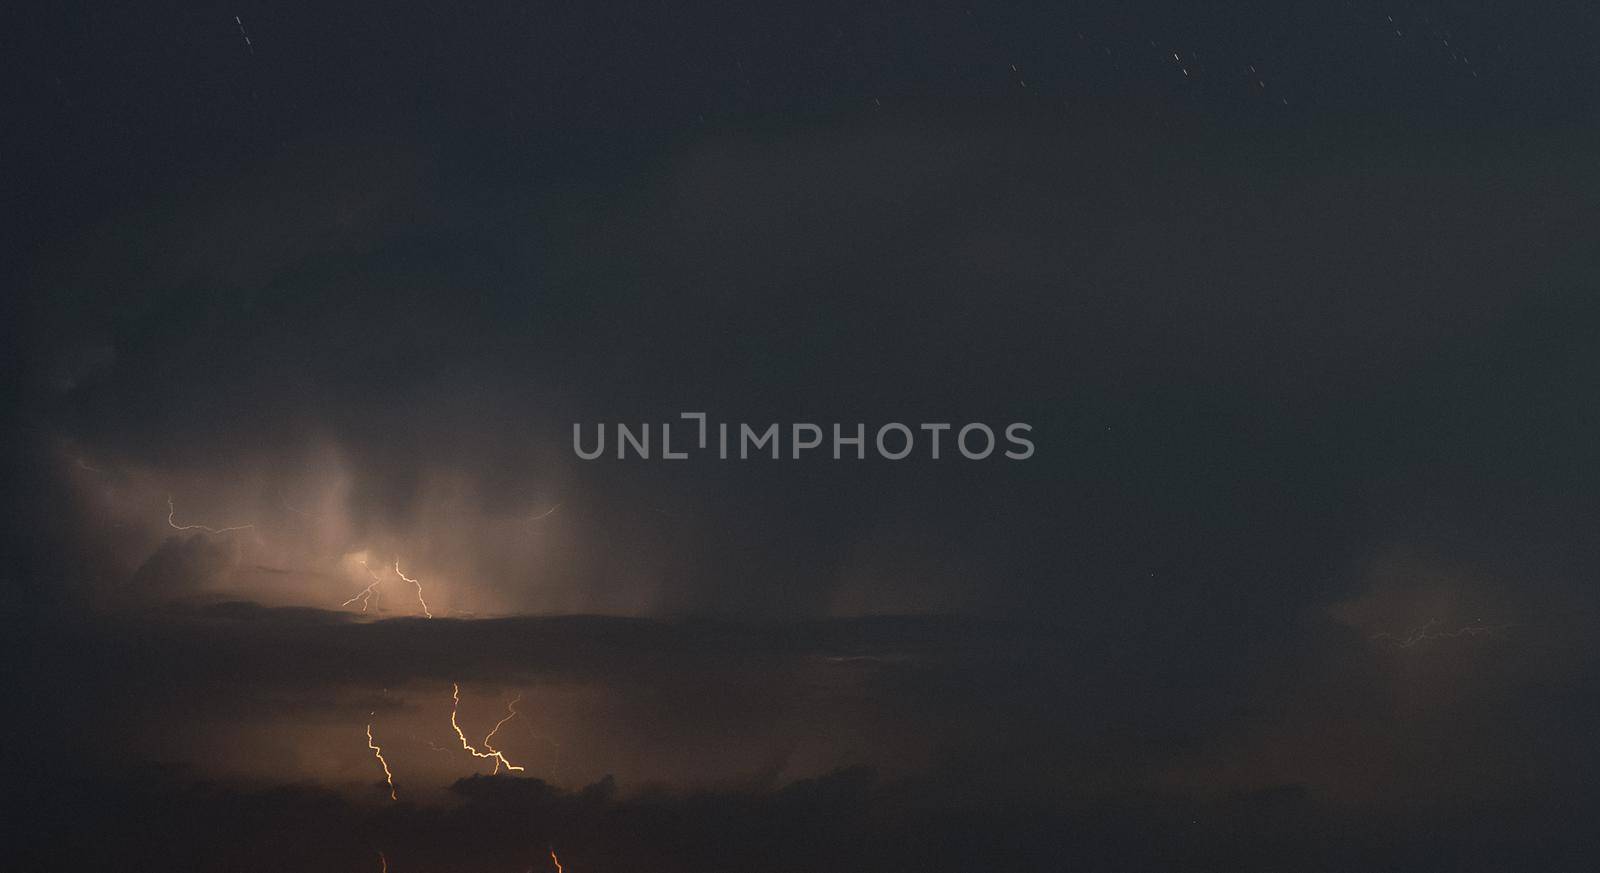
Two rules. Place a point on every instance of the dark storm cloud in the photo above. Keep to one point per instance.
(1227, 352)
(180, 567)
(1309, 363)
(738, 676)
(1238, 411)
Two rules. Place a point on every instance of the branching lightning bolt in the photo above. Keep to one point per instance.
(416, 582)
(367, 594)
(511, 713)
(387, 775)
(172, 511)
(498, 757)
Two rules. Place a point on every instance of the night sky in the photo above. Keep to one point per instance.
(303, 303)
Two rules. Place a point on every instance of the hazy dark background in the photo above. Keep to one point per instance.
(1298, 299)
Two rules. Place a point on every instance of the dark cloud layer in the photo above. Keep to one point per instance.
(513, 823)
(1352, 754)
(1358, 719)
(1237, 362)
(160, 821)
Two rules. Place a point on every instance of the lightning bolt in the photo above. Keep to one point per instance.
(387, 776)
(1425, 632)
(498, 758)
(555, 860)
(415, 582)
(384, 861)
(171, 522)
(366, 594)
(511, 713)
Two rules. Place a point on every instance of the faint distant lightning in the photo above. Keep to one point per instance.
(387, 775)
(384, 861)
(416, 582)
(366, 594)
(498, 758)
(284, 501)
(511, 713)
(171, 522)
(1425, 632)
(546, 513)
